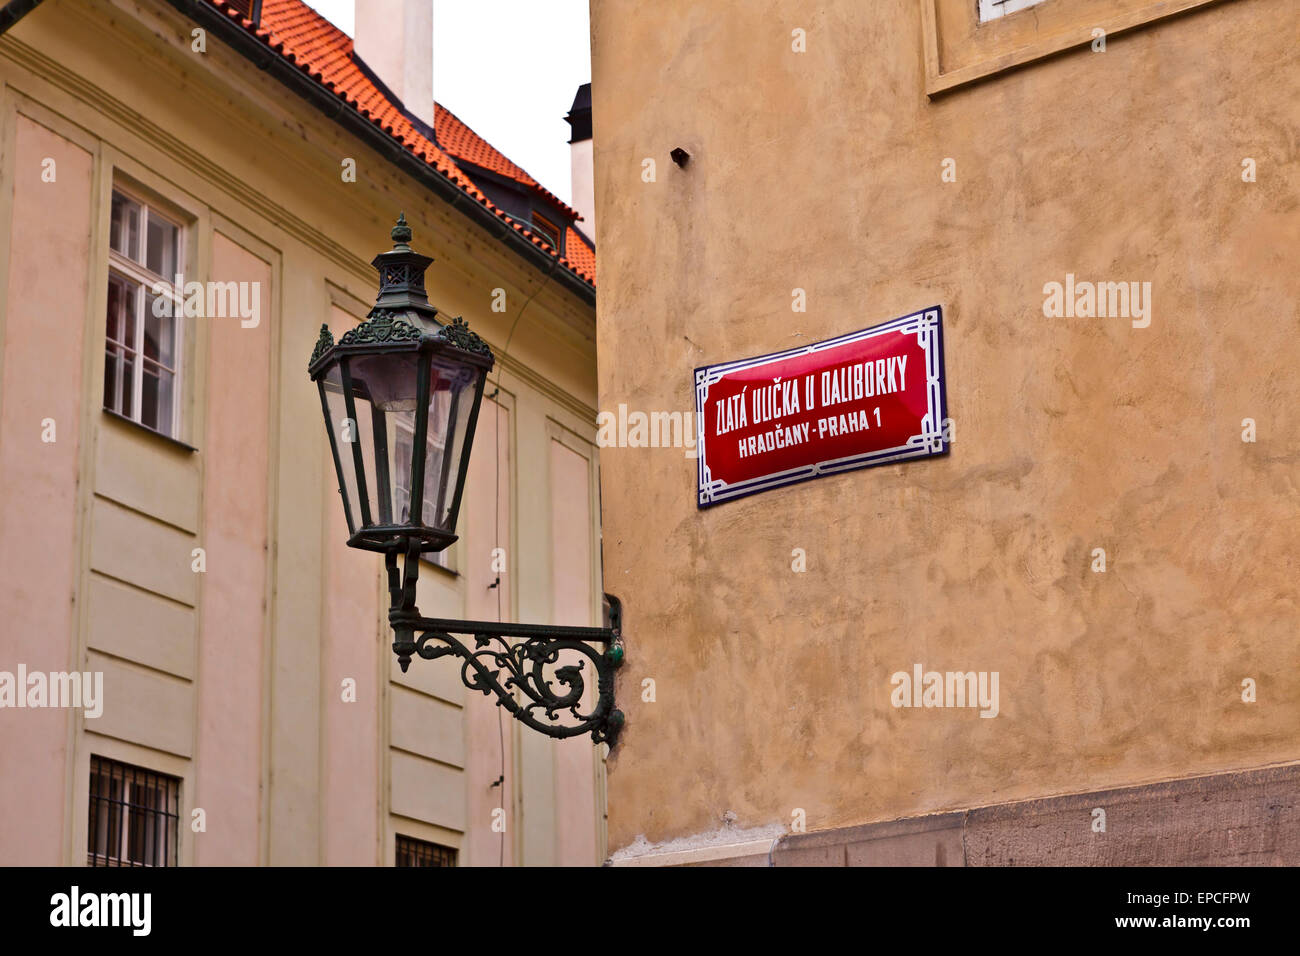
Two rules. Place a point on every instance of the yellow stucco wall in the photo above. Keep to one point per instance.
(821, 170)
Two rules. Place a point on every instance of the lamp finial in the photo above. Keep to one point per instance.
(401, 234)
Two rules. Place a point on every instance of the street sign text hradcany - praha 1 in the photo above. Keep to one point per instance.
(866, 398)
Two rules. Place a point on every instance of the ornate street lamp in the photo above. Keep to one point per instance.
(401, 395)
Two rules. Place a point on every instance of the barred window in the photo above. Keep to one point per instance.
(134, 815)
(413, 852)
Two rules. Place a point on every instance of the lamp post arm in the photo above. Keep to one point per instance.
(517, 662)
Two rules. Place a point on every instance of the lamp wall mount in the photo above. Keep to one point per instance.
(511, 661)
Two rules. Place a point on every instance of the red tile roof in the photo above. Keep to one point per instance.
(582, 257)
(465, 144)
(303, 37)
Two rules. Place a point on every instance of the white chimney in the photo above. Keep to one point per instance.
(582, 181)
(395, 39)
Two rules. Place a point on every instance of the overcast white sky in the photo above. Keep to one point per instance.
(509, 69)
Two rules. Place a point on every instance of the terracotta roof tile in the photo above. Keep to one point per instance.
(324, 52)
(581, 257)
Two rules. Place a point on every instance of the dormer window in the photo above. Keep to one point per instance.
(248, 9)
(547, 230)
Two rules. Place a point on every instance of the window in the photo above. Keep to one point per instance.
(992, 9)
(142, 329)
(412, 852)
(547, 230)
(248, 9)
(133, 816)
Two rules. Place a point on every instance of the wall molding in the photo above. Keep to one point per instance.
(939, 79)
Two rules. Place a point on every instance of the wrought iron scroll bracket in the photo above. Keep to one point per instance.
(516, 662)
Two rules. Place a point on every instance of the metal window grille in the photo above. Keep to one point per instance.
(412, 852)
(134, 815)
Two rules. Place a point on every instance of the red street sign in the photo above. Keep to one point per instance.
(866, 398)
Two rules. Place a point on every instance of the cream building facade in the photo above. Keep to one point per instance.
(191, 549)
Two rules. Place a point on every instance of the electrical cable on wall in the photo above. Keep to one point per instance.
(496, 515)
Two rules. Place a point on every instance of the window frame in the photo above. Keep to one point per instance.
(136, 274)
(1001, 8)
(960, 49)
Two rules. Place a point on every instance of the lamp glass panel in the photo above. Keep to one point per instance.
(451, 402)
(384, 390)
(344, 435)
